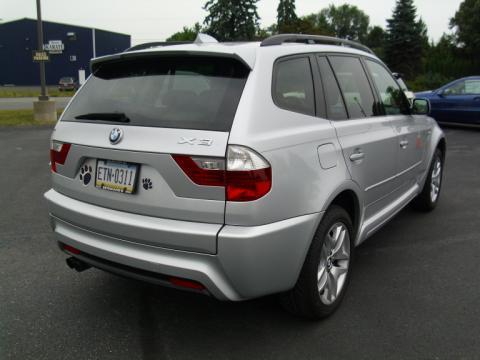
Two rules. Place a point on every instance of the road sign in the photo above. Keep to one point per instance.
(39, 56)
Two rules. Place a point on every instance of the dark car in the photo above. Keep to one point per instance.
(67, 84)
(456, 102)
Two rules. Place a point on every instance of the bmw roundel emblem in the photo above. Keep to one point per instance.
(115, 135)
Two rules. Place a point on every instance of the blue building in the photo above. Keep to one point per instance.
(71, 47)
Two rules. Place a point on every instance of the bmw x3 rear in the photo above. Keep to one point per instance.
(230, 170)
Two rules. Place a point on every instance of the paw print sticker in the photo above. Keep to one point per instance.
(86, 174)
(147, 184)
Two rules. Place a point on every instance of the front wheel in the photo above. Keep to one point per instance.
(427, 200)
(325, 274)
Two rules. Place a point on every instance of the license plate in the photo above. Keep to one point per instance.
(116, 176)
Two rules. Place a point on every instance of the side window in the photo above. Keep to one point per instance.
(456, 89)
(393, 98)
(293, 85)
(354, 85)
(463, 87)
(333, 97)
(472, 87)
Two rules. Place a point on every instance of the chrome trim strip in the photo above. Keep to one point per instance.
(393, 177)
(376, 221)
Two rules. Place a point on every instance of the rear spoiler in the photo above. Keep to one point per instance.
(98, 62)
(155, 44)
(165, 49)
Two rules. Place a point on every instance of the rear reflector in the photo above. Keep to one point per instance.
(71, 249)
(58, 154)
(247, 177)
(184, 283)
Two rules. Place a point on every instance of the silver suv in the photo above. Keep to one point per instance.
(239, 170)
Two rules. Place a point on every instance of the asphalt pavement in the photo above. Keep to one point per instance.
(21, 103)
(414, 294)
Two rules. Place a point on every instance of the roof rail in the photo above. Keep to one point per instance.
(150, 45)
(313, 39)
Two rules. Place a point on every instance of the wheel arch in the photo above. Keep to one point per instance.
(348, 197)
(442, 145)
(437, 141)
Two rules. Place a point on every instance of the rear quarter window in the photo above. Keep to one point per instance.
(188, 92)
(292, 87)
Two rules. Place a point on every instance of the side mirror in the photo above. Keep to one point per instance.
(421, 107)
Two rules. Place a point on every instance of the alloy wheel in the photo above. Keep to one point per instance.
(436, 179)
(334, 263)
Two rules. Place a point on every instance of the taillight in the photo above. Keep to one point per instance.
(246, 176)
(249, 175)
(203, 171)
(58, 154)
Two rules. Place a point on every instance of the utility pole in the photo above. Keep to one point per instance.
(43, 108)
(43, 95)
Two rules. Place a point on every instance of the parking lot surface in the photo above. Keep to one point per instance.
(414, 294)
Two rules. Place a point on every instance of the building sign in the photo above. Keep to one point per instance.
(39, 56)
(54, 47)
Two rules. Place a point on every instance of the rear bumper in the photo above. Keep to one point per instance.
(249, 261)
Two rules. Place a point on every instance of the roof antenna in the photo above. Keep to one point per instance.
(204, 39)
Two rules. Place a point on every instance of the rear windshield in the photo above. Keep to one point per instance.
(194, 92)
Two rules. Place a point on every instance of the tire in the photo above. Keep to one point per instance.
(427, 200)
(311, 297)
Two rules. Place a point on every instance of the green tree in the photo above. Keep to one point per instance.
(287, 19)
(263, 33)
(231, 20)
(316, 24)
(406, 40)
(466, 24)
(375, 40)
(345, 21)
(187, 34)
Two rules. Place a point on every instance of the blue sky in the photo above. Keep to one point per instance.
(150, 20)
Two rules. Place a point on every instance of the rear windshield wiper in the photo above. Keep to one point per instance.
(115, 116)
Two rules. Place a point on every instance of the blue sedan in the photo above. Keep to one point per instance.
(457, 102)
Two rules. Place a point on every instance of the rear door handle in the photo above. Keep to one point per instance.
(356, 156)
(404, 144)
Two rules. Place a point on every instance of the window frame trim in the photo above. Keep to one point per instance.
(378, 110)
(325, 56)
